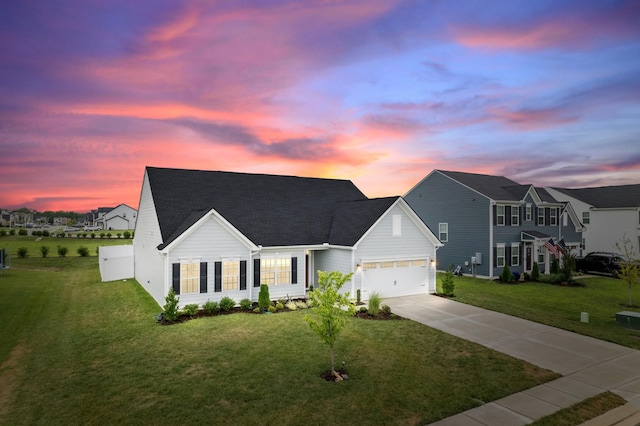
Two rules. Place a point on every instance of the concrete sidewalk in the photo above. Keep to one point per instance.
(589, 366)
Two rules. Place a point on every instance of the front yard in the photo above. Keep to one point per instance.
(78, 351)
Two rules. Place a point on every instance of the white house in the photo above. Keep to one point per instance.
(609, 213)
(210, 234)
(121, 217)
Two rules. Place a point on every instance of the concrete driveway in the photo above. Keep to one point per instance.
(589, 366)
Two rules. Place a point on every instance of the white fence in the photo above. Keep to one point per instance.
(116, 262)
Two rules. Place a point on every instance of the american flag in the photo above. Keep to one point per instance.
(551, 247)
(561, 245)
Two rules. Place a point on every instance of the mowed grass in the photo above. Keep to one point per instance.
(79, 351)
(558, 306)
(33, 244)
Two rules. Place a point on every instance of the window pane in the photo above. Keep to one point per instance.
(419, 263)
(230, 275)
(284, 270)
(369, 265)
(515, 215)
(386, 264)
(402, 264)
(268, 271)
(189, 278)
(500, 210)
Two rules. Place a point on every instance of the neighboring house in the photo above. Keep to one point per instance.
(609, 213)
(97, 217)
(122, 217)
(210, 234)
(487, 222)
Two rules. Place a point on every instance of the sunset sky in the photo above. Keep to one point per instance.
(379, 92)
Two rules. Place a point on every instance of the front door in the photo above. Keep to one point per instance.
(528, 252)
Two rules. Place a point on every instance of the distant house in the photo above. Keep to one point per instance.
(210, 234)
(609, 213)
(121, 217)
(487, 222)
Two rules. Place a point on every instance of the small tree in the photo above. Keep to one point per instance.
(506, 275)
(62, 251)
(448, 282)
(331, 308)
(629, 266)
(535, 272)
(263, 297)
(170, 307)
(44, 250)
(83, 251)
(22, 252)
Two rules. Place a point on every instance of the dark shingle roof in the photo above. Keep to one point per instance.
(353, 218)
(494, 187)
(270, 210)
(607, 196)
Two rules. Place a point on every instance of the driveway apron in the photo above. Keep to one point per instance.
(589, 366)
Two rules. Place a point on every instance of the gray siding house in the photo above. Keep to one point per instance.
(486, 222)
(210, 234)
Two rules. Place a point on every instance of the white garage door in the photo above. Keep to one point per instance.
(395, 278)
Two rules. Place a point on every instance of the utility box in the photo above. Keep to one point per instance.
(478, 257)
(628, 319)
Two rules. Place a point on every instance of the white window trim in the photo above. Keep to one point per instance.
(498, 215)
(396, 228)
(444, 240)
(517, 262)
(538, 221)
(553, 217)
(528, 212)
(498, 257)
(517, 216)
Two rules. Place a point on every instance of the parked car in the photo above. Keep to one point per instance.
(601, 263)
(91, 228)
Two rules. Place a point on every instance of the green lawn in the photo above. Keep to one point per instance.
(33, 244)
(78, 351)
(558, 306)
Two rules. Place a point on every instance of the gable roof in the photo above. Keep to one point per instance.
(353, 218)
(494, 187)
(270, 210)
(606, 196)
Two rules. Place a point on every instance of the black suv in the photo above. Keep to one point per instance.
(600, 262)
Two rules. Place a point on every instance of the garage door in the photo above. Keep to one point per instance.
(395, 277)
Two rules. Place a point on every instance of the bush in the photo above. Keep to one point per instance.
(292, 305)
(83, 251)
(45, 233)
(23, 252)
(363, 309)
(118, 235)
(271, 308)
(535, 272)
(448, 282)
(12, 232)
(36, 233)
(190, 309)
(358, 297)
(506, 275)
(108, 234)
(3, 232)
(279, 306)
(210, 307)
(93, 235)
(170, 307)
(23, 232)
(551, 278)
(62, 251)
(245, 304)
(102, 235)
(301, 304)
(60, 235)
(44, 250)
(127, 235)
(555, 268)
(257, 310)
(374, 303)
(227, 303)
(263, 298)
(385, 309)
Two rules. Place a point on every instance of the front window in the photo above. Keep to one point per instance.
(515, 215)
(443, 231)
(275, 271)
(284, 270)
(189, 278)
(527, 213)
(230, 275)
(541, 216)
(268, 271)
(500, 215)
(585, 217)
(500, 256)
(553, 217)
(515, 255)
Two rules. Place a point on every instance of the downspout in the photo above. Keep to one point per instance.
(251, 271)
(491, 204)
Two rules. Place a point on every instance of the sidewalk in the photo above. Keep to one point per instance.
(589, 366)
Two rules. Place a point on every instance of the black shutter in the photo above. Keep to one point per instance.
(507, 255)
(218, 277)
(495, 257)
(495, 215)
(256, 272)
(507, 215)
(203, 277)
(176, 278)
(294, 270)
(243, 275)
(547, 217)
(535, 215)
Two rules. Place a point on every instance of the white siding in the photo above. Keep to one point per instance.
(609, 227)
(280, 291)
(116, 262)
(335, 259)
(149, 264)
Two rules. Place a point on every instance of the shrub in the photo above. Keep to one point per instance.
(279, 306)
(23, 232)
(83, 251)
(108, 234)
(191, 309)
(37, 233)
(118, 235)
(263, 297)
(358, 297)
(102, 235)
(245, 304)
(385, 309)
(171, 306)
(257, 310)
(12, 232)
(84, 235)
(44, 250)
(301, 304)
(3, 232)
(210, 307)
(292, 305)
(93, 235)
(551, 278)
(271, 308)
(448, 282)
(363, 309)
(127, 235)
(60, 235)
(45, 233)
(62, 251)
(374, 303)
(227, 303)
(535, 272)
(506, 275)
(555, 268)
(22, 252)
